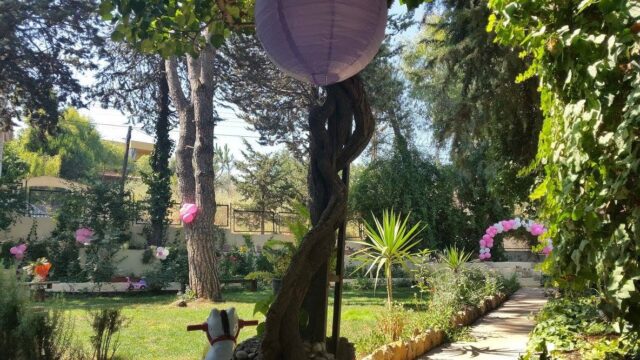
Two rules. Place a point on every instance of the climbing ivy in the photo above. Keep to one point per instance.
(585, 55)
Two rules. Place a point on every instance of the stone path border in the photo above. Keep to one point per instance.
(499, 335)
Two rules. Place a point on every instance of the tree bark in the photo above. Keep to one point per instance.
(331, 150)
(195, 168)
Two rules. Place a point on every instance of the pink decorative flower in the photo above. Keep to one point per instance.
(492, 231)
(188, 213)
(18, 251)
(161, 253)
(84, 236)
(506, 225)
(483, 243)
(537, 229)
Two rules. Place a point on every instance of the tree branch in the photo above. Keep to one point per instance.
(175, 87)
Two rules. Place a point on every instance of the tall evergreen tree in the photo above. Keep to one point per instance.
(137, 83)
(265, 182)
(475, 109)
(41, 43)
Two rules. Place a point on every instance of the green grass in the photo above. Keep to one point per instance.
(156, 328)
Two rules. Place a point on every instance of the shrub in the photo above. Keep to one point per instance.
(106, 324)
(390, 243)
(575, 325)
(29, 334)
(264, 277)
(174, 268)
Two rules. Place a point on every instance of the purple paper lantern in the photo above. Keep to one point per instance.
(321, 41)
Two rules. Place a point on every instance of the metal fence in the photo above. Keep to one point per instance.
(254, 221)
(46, 202)
(142, 214)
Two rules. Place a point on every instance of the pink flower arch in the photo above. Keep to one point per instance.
(534, 228)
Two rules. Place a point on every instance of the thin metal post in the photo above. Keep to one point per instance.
(125, 163)
(337, 296)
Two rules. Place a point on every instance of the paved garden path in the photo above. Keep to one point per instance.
(501, 334)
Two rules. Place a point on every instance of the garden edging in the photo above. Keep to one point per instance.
(422, 343)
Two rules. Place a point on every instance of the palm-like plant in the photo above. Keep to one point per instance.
(455, 258)
(390, 244)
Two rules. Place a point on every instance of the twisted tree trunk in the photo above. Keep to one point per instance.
(332, 148)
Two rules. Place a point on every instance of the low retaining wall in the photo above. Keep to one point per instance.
(105, 287)
(430, 339)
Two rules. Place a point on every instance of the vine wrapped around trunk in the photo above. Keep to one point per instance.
(332, 149)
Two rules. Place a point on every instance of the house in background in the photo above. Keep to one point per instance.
(141, 143)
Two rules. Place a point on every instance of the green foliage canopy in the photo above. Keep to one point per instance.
(269, 181)
(12, 198)
(586, 57)
(76, 152)
(173, 27)
(425, 191)
(489, 123)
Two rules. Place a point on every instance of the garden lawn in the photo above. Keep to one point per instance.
(157, 328)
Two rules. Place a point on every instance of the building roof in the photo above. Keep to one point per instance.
(139, 139)
(52, 182)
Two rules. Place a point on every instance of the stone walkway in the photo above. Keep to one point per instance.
(501, 334)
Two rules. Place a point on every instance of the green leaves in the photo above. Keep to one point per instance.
(176, 28)
(390, 243)
(590, 148)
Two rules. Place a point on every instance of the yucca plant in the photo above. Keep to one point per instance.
(390, 243)
(455, 258)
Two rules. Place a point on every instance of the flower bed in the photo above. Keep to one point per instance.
(422, 343)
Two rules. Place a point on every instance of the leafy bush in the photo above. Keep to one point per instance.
(390, 243)
(106, 324)
(584, 55)
(449, 291)
(575, 327)
(429, 193)
(174, 268)
(12, 197)
(30, 334)
(105, 210)
(263, 277)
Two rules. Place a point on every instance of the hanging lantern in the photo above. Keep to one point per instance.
(321, 41)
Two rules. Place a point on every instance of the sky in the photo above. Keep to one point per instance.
(112, 123)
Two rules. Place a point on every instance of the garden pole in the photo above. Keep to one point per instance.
(337, 297)
(126, 159)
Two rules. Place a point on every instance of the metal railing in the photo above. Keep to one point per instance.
(46, 202)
